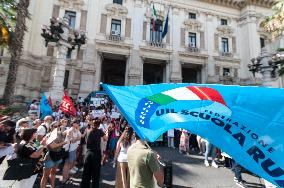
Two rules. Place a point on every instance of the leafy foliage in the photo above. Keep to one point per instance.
(275, 22)
(8, 10)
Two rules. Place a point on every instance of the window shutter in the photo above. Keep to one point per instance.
(50, 50)
(128, 28)
(182, 37)
(144, 30)
(234, 46)
(168, 35)
(83, 21)
(103, 23)
(202, 40)
(55, 11)
(216, 42)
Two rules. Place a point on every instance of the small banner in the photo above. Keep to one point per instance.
(245, 122)
(66, 105)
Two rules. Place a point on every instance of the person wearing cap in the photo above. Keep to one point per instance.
(20, 126)
(43, 129)
(27, 149)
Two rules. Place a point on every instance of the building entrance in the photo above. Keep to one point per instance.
(153, 73)
(113, 72)
(190, 75)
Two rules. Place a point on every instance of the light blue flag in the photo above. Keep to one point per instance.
(45, 108)
(245, 122)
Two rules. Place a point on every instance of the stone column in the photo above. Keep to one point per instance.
(134, 65)
(56, 90)
(265, 68)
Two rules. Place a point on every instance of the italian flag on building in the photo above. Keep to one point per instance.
(147, 106)
(153, 17)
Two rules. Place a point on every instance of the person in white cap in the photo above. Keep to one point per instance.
(42, 130)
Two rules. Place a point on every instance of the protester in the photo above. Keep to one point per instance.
(183, 146)
(43, 129)
(27, 149)
(143, 165)
(122, 172)
(92, 166)
(55, 142)
(36, 123)
(171, 135)
(210, 149)
(74, 136)
(7, 137)
(237, 169)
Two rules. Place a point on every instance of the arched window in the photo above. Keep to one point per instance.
(156, 32)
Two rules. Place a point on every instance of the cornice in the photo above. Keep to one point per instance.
(192, 24)
(76, 4)
(116, 9)
(240, 4)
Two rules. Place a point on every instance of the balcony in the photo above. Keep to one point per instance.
(193, 49)
(114, 38)
(226, 54)
(156, 44)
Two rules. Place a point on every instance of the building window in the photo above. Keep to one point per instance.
(224, 22)
(192, 40)
(226, 72)
(72, 18)
(66, 78)
(192, 15)
(117, 2)
(115, 27)
(156, 31)
(225, 45)
(262, 42)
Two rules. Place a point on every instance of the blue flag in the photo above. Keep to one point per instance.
(165, 31)
(45, 108)
(245, 122)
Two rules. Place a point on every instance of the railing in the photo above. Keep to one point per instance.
(226, 54)
(156, 44)
(193, 49)
(114, 38)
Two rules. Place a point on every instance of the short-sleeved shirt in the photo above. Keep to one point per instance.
(94, 139)
(142, 164)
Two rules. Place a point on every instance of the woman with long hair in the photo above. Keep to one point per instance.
(27, 149)
(122, 172)
(51, 160)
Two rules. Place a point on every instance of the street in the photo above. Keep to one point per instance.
(188, 171)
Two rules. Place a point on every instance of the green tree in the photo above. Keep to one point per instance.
(274, 24)
(7, 21)
(15, 49)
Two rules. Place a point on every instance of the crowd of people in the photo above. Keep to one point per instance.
(96, 136)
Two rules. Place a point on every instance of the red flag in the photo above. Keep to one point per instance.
(49, 101)
(67, 106)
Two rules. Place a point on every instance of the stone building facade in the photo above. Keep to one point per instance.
(208, 41)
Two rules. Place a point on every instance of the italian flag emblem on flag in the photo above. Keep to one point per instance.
(153, 17)
(148, 105)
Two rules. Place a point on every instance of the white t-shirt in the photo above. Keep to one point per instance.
(74, 134)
